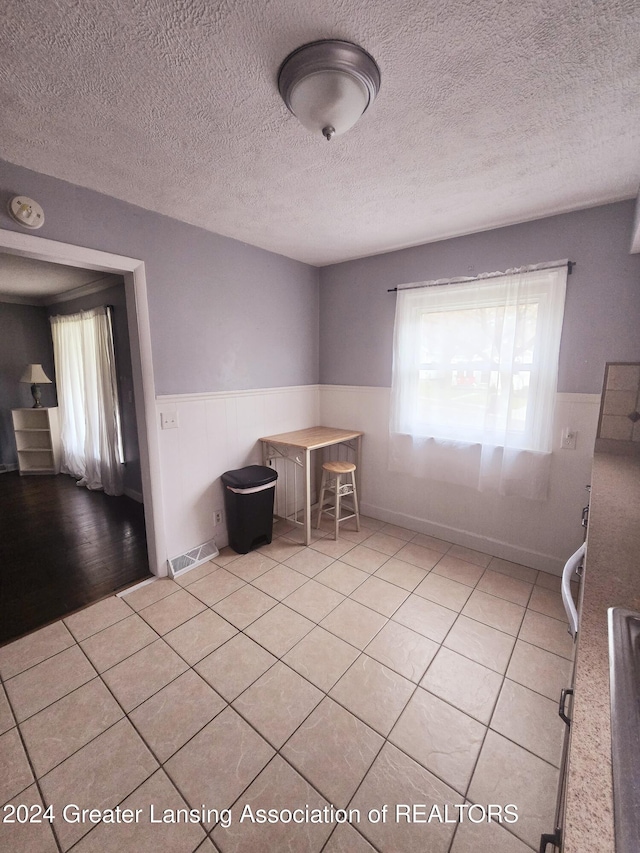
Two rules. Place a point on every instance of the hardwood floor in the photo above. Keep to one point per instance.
(63, 547)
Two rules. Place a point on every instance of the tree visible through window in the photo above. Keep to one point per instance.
(476, 362)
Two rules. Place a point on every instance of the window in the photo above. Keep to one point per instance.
(90, 428)
(475, 363)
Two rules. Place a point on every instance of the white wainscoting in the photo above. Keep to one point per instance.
(218, 432)
(541, 534)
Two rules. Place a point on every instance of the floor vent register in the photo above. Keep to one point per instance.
(195, 557)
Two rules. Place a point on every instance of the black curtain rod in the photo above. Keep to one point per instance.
(570, 266)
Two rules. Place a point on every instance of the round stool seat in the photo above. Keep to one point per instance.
(339, 467)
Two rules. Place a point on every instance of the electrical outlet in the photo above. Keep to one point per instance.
(169, 420)
(217, 517)
(569, 439)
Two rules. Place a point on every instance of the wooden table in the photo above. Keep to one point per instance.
(308, 440)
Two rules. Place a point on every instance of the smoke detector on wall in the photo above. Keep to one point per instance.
(26, 212)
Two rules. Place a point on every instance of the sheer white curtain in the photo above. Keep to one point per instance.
(88, 399)
(474, 379)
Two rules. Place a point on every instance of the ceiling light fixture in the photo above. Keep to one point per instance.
(328, 85)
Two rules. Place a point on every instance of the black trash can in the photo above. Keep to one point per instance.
(248, 502)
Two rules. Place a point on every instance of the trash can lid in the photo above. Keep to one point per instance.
(252, 475)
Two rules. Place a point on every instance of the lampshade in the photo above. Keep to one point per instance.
(34, 374)
(328, 85)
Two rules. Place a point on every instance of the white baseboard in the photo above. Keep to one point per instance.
(135, 496)
(504, 550)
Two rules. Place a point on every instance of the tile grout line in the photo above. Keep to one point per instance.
(278, 750)
(385, 737)
(316, 624)
(326, 694)
(125, 715)
(280, 659)
(36, 780)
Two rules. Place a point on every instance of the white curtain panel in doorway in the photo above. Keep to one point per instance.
(475, 367)
(90, 428)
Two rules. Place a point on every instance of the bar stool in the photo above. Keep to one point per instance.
(332, 472)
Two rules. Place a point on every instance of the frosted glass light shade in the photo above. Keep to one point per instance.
(35, 373)
(328, 85)
(328, 99)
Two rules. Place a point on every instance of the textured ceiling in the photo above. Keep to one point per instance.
(491, 112)
(36, 282)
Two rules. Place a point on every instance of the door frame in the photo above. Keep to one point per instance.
(133, 272)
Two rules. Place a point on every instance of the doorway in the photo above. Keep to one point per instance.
(63, 547)
(142, 390)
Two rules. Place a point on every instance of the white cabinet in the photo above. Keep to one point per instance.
(37, 433)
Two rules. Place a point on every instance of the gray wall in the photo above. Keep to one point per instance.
(227, 316)
(224, 315)
(24, 339)
(602, 314)
(115, 296)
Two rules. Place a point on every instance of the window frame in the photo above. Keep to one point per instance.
(542, 368)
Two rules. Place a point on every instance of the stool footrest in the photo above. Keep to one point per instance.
(331, 514)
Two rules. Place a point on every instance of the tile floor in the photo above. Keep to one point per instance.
(387, 668)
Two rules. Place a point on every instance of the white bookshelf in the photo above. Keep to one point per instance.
(37, 433)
